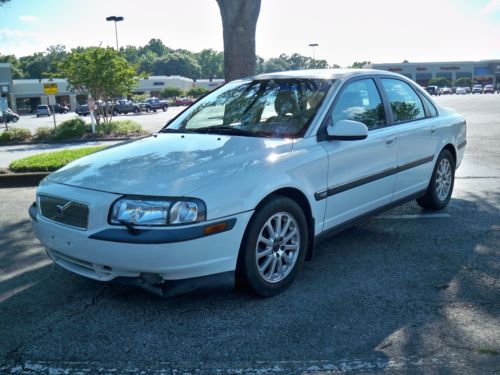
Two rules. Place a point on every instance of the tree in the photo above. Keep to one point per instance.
(176, 64)
(211, 63)
(34, 65)
(440, 82)
(464, 82)
(359, 64)
(295, 61)
(17, 72)
(157, 47)
(197, 92)
(170, 92)
(102, 73)
(239, 21)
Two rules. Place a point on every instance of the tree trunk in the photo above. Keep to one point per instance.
(239, 21)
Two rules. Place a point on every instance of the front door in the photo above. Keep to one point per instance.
(361, 174)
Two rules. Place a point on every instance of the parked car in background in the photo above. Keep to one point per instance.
(9, 116)
(43, 110)
(477, 89)
(432, 90)
(122, 107)
(488, 89)
(461, 91)
(445, 91)
(58, 108)
(239, 185)
(154, 104)
(184, 101)
(82, 110)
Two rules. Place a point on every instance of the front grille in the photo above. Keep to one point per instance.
(64, 211)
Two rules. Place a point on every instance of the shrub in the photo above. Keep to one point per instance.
(119, 128)
(170, 92)
(44, 132)
(15, 134)
(198, 92)
(50, 161)
(74, 128)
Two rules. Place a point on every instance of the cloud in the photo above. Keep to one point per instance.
(491, 7)
(28, 18)
(18, 42)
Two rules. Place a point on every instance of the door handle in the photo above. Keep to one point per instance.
(390, 141)
(433, 130)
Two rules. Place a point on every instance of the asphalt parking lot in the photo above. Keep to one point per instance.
(405, 292)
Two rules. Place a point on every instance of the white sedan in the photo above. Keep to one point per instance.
(239, 186)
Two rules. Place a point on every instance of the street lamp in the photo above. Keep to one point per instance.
(115, 19)
(313, 45)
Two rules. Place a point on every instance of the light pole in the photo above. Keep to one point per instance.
(115, 19)
(313, 45)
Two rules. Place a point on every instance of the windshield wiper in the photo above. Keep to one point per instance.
(224, 129)
(172, 130)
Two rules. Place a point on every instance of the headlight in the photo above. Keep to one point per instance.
(157, 211)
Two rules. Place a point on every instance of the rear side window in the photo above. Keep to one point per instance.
(360, 101)
(405, 103)
(430, 107)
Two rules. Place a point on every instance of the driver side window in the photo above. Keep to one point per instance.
(360, 101)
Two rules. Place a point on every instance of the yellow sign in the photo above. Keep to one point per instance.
(50, 88)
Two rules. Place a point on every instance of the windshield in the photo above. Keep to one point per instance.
(266, 108)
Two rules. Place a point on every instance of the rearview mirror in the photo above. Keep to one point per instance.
(347, 130)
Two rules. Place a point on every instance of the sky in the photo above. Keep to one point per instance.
(346, 31)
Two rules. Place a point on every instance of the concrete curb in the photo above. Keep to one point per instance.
(13, 180)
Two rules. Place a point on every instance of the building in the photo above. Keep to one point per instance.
(483, 71)
(25, 94)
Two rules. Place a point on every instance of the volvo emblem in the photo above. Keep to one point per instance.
(62, 208)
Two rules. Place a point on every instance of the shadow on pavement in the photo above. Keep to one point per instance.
(407, 289)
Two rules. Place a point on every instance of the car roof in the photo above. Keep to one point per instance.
(320, 74)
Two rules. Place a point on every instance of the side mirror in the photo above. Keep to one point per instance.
(347, 130)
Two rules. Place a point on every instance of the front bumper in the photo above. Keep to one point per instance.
(111, 258)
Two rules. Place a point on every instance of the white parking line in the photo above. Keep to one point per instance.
(410, 217)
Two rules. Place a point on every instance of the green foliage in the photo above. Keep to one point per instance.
(44, 132)
(170, 92)
(440, 82)
(197, 92)
(15, 135)
(51, 161)
(120, 128)
(101, 72)
(359, 64)
(463, 82)
(139, 97)
(74, 128)
(293, 62)
(211, 63)
(176, 64)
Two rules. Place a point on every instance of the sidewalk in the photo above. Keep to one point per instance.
(13, 152)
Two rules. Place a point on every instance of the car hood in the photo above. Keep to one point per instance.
(168, 164)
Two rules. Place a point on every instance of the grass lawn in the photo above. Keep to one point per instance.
(50, 161)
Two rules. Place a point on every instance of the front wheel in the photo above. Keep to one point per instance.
(273, 248)
(439, 191)
(165, 108)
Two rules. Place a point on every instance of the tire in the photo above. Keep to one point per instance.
(269, 281)
(435, 197)
(14, 119)
(148, 109)
(136, 110)
(115, 113)
(165, 108)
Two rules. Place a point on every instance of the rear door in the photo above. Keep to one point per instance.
(416, 121)
(360, 173)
